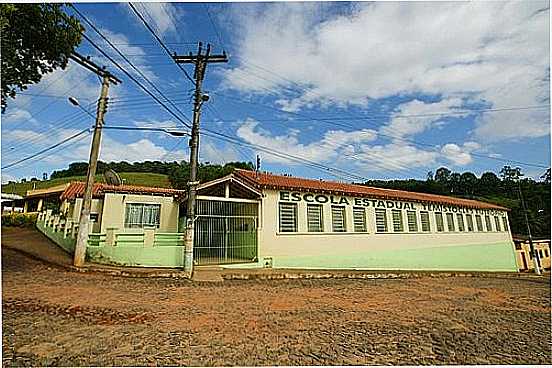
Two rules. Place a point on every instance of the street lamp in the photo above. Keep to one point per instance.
(75, 102)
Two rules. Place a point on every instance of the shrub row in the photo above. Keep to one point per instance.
(19, 219)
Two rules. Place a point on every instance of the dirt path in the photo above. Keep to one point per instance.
(53, 317)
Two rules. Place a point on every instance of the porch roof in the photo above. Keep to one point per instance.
(76, 189)
(272, 181)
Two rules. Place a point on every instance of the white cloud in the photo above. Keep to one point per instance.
(459, 155)
(324, 150)
(209, 152)
(18, 115)
(493, 52)
(403, 123)
(162, 16)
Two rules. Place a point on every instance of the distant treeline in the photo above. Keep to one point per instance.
(503, 190)
(178, 172)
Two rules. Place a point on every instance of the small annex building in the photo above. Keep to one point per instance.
(251, 219)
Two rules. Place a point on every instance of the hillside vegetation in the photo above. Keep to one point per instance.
(131, 178)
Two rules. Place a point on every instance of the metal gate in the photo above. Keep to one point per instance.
(225, 232)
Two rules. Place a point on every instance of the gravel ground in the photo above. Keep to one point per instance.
(52, 317)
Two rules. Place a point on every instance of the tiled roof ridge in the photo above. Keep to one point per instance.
(364, 189)
(76, 189)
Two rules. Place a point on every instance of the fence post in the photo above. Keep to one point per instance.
(68, 228)
(110, 236)
(149, 237)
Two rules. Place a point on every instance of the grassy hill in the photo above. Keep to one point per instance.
(131, 178)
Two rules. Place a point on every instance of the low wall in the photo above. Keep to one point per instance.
(137, 249)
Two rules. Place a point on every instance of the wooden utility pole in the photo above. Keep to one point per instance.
(534, 253)
(84, 221)
(200, 61)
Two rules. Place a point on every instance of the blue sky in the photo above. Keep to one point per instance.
(377, 90)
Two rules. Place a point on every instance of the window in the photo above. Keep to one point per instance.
(398, 225)
(469, 221)
(497, 223)
(460, 219)
(439, 221)
(314, 218)
(288, 217)
(412, 221)
(424, 217)
(381, 220)
(450, 222)
(518, 246)
(359, 219)
(505, 223)
(546, 252)
(139, 215)
(540, 253)
(488, 223)
(338, 219)
(479, 222)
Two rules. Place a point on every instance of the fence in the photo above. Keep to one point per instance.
(140, 248)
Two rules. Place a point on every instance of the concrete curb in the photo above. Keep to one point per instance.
(226, 275)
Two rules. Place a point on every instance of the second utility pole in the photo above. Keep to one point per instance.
(200, 60)
(84, 221)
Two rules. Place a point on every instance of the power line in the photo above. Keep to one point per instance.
(146, 24)
(126, 59)
(332, 121)
(46, 149)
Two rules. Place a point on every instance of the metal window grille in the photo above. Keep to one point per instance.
(412, 221)
(469, 221)
(139, 215)
(450, 222)
(505, 223)
(359, 219)
(398, 225)
(497, 223)
(314, 218)
(460, 219)
(381, 220)
(439, 221)
(488, 223)
(479, 223)
(338, 219)
(424, 217)
(288, 217)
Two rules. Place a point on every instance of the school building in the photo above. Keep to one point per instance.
(256, 219)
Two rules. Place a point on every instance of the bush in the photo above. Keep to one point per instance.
(19, 219)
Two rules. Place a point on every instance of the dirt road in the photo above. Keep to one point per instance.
(54, 317)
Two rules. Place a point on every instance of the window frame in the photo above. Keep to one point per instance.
(320, 209)
(439, 216)
(344, 212)
(422, 215)
(384, 213)
(295, 209)
(400, 220)
(358, 210)
(460, 222)
(409, 216)
(469, 223)
(141, 225)
(479, 223)
(488, 223)
(497, 224)
(450, 222)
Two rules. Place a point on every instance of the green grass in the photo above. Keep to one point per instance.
(130, 178)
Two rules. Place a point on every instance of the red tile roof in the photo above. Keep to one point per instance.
(271, 181)
(76, 189)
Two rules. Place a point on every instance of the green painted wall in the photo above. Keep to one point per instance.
(496, 257)
(163, 256)
(68, 244)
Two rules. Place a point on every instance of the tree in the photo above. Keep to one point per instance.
(36, 39)
(546, 176)
(488, 183)
(442, 175)
(509, 173)
(468, 182)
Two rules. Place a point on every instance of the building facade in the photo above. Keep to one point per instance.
(250, 219)
(524, 258)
